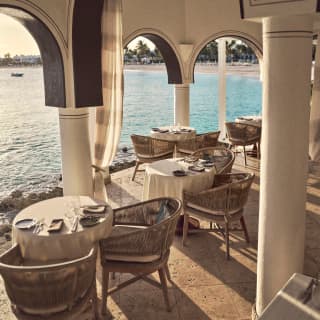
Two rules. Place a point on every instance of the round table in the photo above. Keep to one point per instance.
(159, 180)
(66, 243)
(174, 133)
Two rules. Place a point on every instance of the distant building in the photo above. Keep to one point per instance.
(27, 59)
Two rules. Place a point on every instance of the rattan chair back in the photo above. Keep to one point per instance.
(153, 240)
(222, 158)
(47, 289)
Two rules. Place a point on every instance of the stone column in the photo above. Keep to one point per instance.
(182, 104)
(76, 153)
(222, 86)
(314, 138)
(286, 97)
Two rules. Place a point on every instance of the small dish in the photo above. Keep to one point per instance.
(25, 224)
(89, 221)
(208, 164)
(191, 159)
(179, 173)
(196, 168)
(94, 209)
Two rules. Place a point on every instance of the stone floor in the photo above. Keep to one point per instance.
(205, 285)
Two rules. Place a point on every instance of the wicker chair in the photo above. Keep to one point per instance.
(204, 140)
(149, 149)
(222, 205)
(140, 244)
(241, 134)
(56, 291)
(222, 158)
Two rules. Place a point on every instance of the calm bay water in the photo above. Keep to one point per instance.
(30, 156)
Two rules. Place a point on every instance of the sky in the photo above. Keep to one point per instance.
(133, 43)
(14, 38)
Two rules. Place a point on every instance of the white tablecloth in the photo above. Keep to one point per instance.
(251, 120)
(159, 180)
(174, 133)
(45, 246)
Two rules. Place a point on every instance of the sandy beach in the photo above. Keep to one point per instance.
(245, 70)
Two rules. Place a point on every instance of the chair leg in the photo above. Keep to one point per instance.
(95, 302)
(245, 156)
(166, 268)
(135, 169)
(185, 228)
(227, 241)
(105, 286)
(164, 286)
(245, 230)
(258, 150)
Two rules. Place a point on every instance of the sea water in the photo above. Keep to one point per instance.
(30, 156)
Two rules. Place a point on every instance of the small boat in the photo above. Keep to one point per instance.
(16, 74)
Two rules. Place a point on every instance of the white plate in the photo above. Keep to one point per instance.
(94, 209)
(25, 224)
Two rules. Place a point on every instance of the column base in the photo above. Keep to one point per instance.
(254, 315)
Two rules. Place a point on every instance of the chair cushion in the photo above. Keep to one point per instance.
(126, 258)
(163, 213)
(216, 214)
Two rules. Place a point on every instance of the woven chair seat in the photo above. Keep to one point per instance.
(140, 243)
(222, 204)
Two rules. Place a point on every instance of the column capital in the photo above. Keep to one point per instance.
(300, 25)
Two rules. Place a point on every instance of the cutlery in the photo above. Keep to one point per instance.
(75, 224)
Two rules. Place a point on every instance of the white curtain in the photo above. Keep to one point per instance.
(109, 116)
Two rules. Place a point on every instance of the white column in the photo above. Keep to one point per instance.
(222, 86)
(182, 104)
(76, 153)
(314, 138)
(286, 96)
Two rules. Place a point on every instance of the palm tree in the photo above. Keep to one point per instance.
(142, 49)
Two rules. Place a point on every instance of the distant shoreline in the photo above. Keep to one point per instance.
(245, 70)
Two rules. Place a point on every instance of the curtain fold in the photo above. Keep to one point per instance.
(109, 116)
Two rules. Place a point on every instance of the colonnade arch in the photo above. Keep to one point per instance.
(167, 49)
(247, 39)
(51, 53)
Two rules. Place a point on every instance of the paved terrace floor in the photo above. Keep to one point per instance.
(205, 285)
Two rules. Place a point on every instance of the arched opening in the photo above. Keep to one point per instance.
(169, 56)
(53, 69)
(30, 147)
(243, 86)
(150, 64)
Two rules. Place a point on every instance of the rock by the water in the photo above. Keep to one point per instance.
(5, 228)
(124, 149)
(16, 194)
(7, 236)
